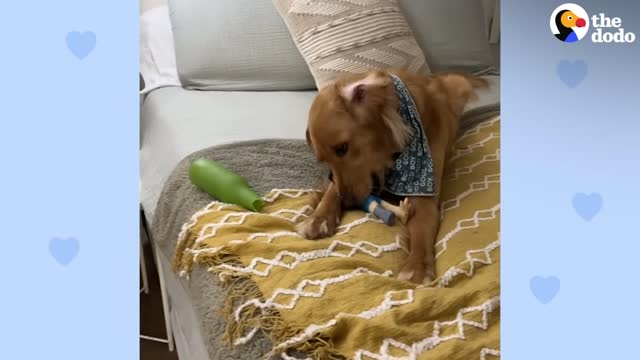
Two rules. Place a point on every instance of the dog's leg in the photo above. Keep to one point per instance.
(423, 227)
(324, 220)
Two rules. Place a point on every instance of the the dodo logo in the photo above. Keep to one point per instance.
(570, 23)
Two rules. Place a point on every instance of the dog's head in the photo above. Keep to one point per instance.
(355, 128)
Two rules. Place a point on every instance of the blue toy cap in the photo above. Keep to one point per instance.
(385, 215)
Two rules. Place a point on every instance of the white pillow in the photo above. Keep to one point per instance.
(157, 54)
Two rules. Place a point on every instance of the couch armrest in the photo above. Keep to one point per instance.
(141, 100)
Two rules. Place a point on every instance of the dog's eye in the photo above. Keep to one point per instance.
(341, 150)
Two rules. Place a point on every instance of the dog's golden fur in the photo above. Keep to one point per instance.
(355, 128)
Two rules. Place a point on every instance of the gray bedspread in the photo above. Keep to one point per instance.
(266, 164)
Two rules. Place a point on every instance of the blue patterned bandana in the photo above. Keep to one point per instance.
(412, 173)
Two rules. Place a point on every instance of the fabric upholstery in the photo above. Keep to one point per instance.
(235, 45)
(452, 34)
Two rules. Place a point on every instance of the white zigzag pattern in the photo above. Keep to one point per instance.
(454, 271)
(468, 169)
(272, 236)
(474, 222)
(307, 7)
(210, 230)
(298, 213)
(343, 229)
(476, 129)
(290, 193)
(194, 219)
(487, 351)
(473, 187)
(299, 258)
(385, 305)
(271, 197)
(469, 149)
(275, 194)
(436, 338)
(300, 292)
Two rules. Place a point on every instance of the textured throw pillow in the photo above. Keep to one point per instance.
(337, 37)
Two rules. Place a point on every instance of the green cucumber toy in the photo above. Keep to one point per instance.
(224, 185)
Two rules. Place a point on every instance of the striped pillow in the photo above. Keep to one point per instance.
(338, 37)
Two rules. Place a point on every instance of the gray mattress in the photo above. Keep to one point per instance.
(194, 302)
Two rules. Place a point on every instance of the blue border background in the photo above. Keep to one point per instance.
(558, 141)
(69, 151)
(69, 154)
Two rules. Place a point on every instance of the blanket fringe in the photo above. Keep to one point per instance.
(182, 263)
(239, 287)
(320, 349)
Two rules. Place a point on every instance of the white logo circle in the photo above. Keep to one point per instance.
(569, 22)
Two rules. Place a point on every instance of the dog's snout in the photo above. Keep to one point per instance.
(349, 200)
(376, 182)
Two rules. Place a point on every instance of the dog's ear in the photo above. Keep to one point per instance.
(369, 90)
(370, 99)
(309, 142)
(354, 93)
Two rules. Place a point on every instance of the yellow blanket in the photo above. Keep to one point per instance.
(338, 297)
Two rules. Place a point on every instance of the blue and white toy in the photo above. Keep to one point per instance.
(385, 211)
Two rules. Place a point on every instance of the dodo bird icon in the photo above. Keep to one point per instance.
(567, 21)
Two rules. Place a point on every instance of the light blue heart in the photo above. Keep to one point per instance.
(64, 250)
(81, 44)
(544, 288)
(587, 206)
(572, 73)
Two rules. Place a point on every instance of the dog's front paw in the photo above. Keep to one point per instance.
(416, 272)
(317, 227)
(407, 210)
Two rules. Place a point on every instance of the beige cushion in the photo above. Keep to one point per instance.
(336, 37)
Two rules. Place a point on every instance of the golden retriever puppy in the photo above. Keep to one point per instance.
(381, 125)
